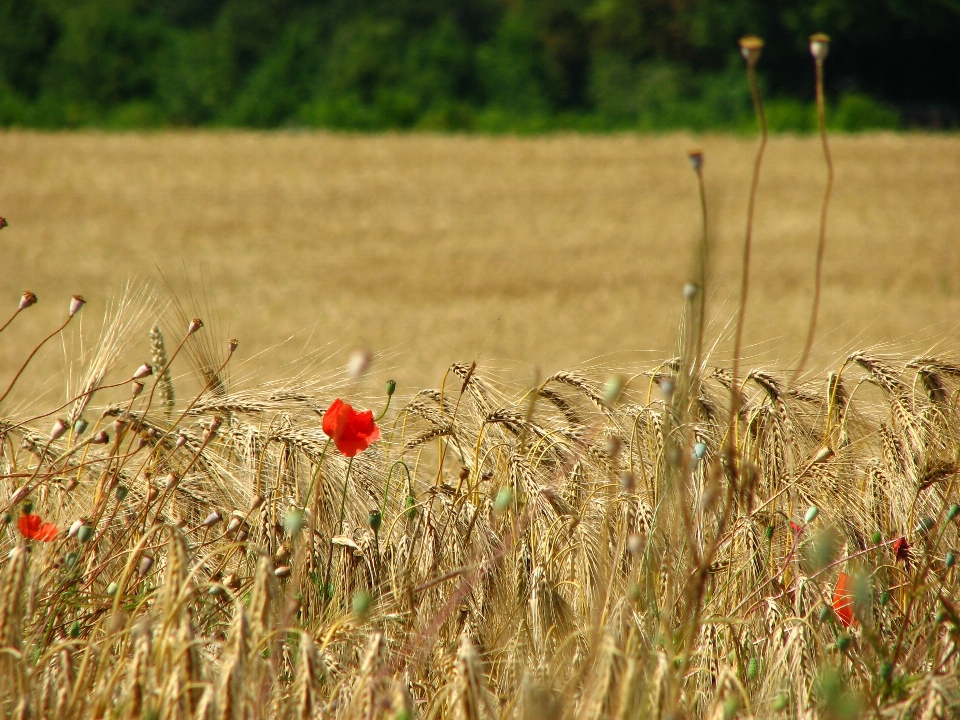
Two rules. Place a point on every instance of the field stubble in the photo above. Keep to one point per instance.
(550, 251)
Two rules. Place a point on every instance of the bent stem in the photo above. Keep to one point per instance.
(327, 595)
(822, 241)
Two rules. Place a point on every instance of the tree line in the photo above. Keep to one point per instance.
(493, 65)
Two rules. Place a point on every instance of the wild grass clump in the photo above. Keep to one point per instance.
(590, 547)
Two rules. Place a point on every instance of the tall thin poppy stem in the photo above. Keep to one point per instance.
(818, 48)
(327, 595)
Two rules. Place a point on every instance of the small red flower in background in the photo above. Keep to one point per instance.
(33, 528)
(901, 549)
(843, 600)
(796, 528)
(352, 432)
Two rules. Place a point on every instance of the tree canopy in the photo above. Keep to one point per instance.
(470, 64)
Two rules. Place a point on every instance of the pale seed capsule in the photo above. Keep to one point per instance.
(819, 46)
(232, 345)
(58, 429)
(77, 524)
(170, 480)
(146, 562)
(27, 299)
(194, 325)
(751, 47)
(142, 372)
(212, 519)
(76, 302)
(181, 440)
(137, 388)
(256, 503)
(282, 572)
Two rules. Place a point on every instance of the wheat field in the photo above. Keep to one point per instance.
(544, 252)
(655, 533)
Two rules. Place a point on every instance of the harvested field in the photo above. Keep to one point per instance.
(550, 251)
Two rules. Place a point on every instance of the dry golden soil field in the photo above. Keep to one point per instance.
(544, 251)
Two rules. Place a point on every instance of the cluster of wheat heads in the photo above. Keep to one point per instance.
(596, 546)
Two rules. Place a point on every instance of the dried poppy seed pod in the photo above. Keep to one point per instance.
(233, 524)
(751, 47)
(212, 519)
(152, 494)
(77, 524)
(690, 290)
(819, 46)
(696, 160)
(58, 429)
(146, 562)
(101, 438)
(256, 502)
(194, 325)
(27, 299)
(282, 572)
(137, 388)
(71, 485)
(76, 302)
(170, 480)
(181, 440)
(232, 345)
(80, 427)
(142, 372)
(215, 423)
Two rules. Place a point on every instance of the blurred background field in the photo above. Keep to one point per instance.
(546, 252)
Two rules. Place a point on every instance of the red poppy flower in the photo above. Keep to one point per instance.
(33, 528)
(843, 600)
(901, 549)
(352, 432)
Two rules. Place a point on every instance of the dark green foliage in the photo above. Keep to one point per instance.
(495, 65)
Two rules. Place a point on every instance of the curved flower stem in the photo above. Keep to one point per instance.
(386, 407)
(30, 357)
(12, 318)
(822, 241)
(343, 507)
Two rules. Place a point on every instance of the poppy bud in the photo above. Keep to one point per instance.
(85, 533)
(112, 589)
(819, 46)
(391, 387)
(504, 498)
(75, 629)
(768, 533)
(137, 388)
(27, 507)
(293, 522)
(358, 363)
(843, 642)
(142, 372)
(696, 160)
(374, 519)
(80, 427)
(876, 538)
(101, 438)
(751, 47)
(76, 302)
(59, 428)
(811, 515)
(27, 299)
(825, 613)
(194, 325)
(212, 519)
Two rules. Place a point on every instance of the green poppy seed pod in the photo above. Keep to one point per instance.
(293, 522)
(699, 450)
(75, 629)
(819, 46)
(811, 515)
(886, 671)
(768, 533)
(612, 389)
(876, 538)
(6, 519)
(76, 302)
(57, 431)
(751, 47)
(825, 613)
(112, 589)
(374, 519)
(391, 387)
(844, 641)
(926, 524)
(71, 559)
(953, 512)
(780, 702)
(27, 299)
(121, 492)
(504, 498)
(362, 602)
(142, 372)
(80, 427)
(940, 617)
(950, 560)
(753, 669)
(731, 707)
(411, 507)
(27, 507)
(85, 533)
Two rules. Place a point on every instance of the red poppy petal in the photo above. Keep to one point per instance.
(29, 526)
(331, 417)
(843, 600)
(48, 532)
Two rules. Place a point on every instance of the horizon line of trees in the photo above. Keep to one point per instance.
(493, 65)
